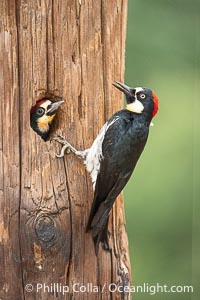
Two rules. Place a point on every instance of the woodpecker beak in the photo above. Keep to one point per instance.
(132, 102)
(124, 88)
(52, 108)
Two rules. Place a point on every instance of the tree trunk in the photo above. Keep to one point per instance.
(74, 50)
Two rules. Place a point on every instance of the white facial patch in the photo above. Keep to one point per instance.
(46, 104)
(135, 107)
(138, 89)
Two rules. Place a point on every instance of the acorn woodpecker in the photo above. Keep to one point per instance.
(42, 115)
(114, 154)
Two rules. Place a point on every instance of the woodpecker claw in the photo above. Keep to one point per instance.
(66, 146)
(62, 151)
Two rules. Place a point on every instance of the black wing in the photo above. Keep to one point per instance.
(119, 160)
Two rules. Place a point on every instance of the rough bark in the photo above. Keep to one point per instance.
(74, 50)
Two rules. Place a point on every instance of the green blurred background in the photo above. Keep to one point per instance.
(161, 199)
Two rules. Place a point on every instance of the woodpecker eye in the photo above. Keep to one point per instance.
(142, 96)
(40, 111)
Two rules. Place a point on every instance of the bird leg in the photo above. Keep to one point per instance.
(67, 147)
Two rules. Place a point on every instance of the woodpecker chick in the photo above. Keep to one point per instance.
(42, 115)
(114, 154)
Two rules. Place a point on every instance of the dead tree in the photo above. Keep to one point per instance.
(74, 50)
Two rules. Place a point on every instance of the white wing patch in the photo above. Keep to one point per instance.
(94, 155)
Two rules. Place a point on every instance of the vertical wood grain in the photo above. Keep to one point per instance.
(74, 50)
(11, 282)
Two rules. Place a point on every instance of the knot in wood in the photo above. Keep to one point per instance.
(45, 228)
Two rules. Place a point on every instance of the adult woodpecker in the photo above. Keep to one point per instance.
(42, 115)
(114, 153)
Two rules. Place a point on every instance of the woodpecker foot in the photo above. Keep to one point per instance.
(66, 146)
(105, 241)
(105, 246)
